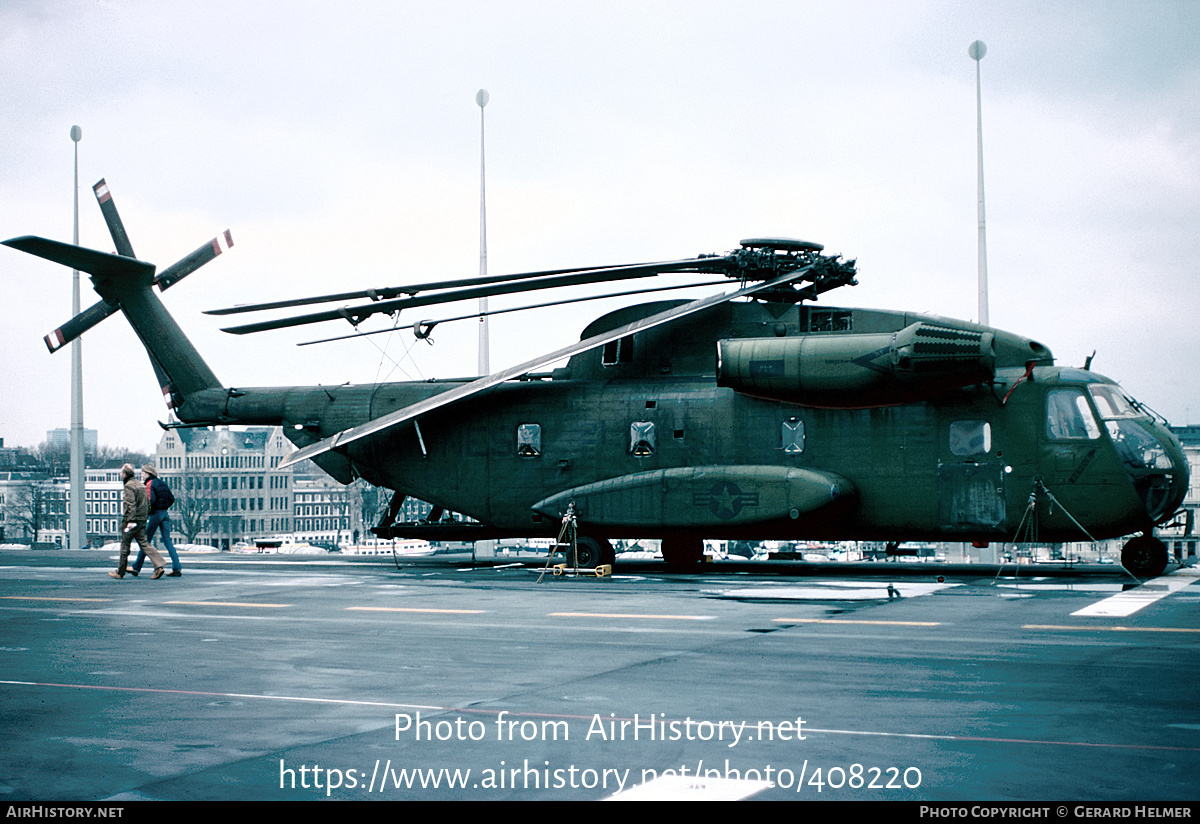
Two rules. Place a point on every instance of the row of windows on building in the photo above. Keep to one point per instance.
(206, 483)
(235, 461)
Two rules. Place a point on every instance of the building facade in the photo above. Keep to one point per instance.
(61, 439)
(229, 490)
(1181, 544)
(38, 509)
(227, 484)
(228, 487)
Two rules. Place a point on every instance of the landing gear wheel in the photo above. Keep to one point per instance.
(1144, 556)
(592, 552)
(682, 551)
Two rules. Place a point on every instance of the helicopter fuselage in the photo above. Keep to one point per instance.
(645, 442)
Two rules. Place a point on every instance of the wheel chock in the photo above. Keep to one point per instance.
(602, 571)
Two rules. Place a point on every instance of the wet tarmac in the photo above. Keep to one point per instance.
(268, 677)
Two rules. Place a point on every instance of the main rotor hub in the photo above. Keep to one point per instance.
(781, 244)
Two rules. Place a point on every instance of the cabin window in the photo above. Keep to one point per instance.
(642, 439)
(618, 351)
(529, 440)
(1068, 416)
(969, 438)
(793, 436)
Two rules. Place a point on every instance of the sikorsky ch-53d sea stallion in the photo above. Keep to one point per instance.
(751, 414)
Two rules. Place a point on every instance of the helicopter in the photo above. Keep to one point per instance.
(750, 414)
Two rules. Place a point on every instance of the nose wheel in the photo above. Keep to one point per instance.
(1144, 556)
(591, 552)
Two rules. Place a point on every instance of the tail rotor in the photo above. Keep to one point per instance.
(100, 272)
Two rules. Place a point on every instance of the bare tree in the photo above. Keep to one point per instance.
(374, 502)
(26, 508)
(55, 457)
(115, 456)
(191, 511)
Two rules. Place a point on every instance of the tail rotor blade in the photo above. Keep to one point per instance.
(79, 324)
(178, 271)
(115, 227)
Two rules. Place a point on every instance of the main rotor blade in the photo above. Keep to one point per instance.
(389, 292)
(490, 313)
(383, 422)
(115, 227)
(356, 314)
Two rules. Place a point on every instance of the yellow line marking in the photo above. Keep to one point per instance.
(225, 604)
(416, 609)
(628, 615)
(849, 621)
(40, 598)
(1110, 629)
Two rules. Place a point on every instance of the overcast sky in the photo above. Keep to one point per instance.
(340, 144)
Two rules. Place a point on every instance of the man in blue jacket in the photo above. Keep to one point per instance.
(161, 499)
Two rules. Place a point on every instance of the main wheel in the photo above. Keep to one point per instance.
(1144, 556)
(682, 551)
(592, 552)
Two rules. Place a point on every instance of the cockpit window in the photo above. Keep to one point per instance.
(1138, 448)
(1068, 416)
(1111, 403)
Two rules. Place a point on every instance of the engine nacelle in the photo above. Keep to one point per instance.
(918, 362)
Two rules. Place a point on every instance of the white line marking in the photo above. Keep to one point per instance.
(1126, 603)
(629, 615)
(830, 591)
(691, 788)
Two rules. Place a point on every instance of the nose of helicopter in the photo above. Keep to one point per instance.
(1166, 485)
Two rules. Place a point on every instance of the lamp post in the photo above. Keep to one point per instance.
(76, 504)
(481, 98)
(483, 549)
(977, 50)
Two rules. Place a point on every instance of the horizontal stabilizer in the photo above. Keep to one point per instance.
(79, 324)
(99, 264)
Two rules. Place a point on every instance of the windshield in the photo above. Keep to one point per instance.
(1111, 403)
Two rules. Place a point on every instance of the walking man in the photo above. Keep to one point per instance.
(135, 512)
(161, 499)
